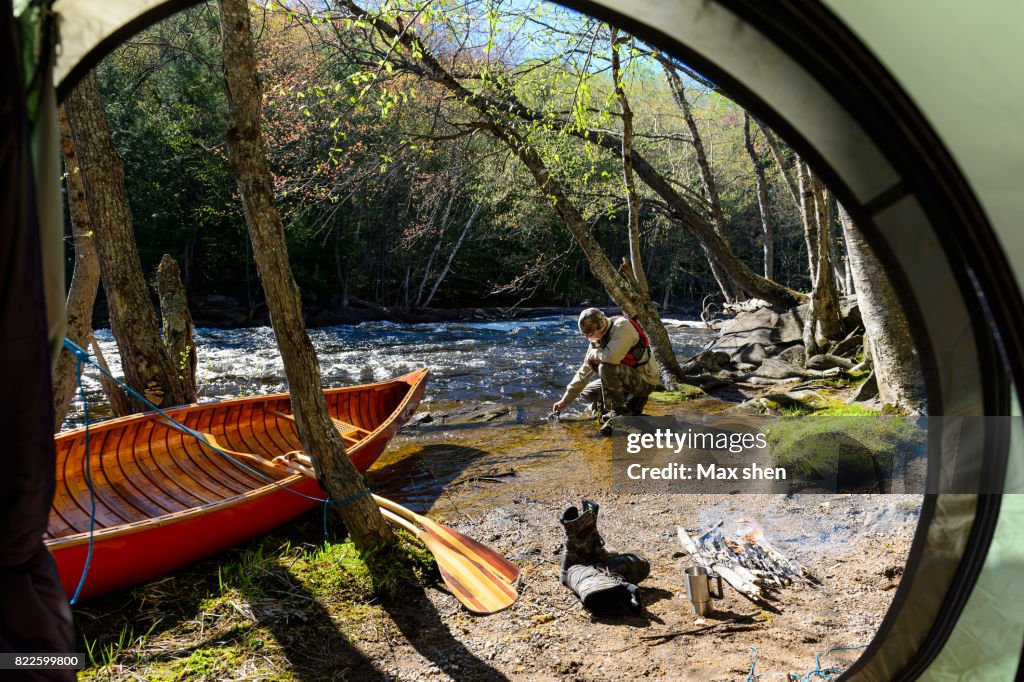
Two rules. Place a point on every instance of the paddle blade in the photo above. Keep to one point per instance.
(480, 552)
(498, 564)
(480, 591)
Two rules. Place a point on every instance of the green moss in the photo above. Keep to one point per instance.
(838, 408)
(683, 393)
(852, 450)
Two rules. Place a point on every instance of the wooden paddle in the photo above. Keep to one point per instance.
(491, 560)
(479, 590)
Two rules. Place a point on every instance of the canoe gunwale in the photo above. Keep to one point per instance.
(284, 485)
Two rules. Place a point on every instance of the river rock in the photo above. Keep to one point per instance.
(748, 328)
(794, 355)
(421, 418)
(850, 312)
(706, 361)
(850, 345)
(827, 361)
(752, 354)
(789, 328)
(867, 391)
(774, 368)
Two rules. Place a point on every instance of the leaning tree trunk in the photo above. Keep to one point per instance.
(336, 473)
(84, 283)
(762, 200)
(896, 363)
(147, 366)
(731, 289)
(638, 277)
(638, 306)
(82, 295)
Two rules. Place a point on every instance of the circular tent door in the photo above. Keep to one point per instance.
(800, 68)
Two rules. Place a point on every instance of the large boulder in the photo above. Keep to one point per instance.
(849, 346)
(867, 392)
(751, 354)
(748, 328)
(774, 368)
(789, 328)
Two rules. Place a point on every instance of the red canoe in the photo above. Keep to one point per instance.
(165, 500)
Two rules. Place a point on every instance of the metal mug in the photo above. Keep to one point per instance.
(698, 588)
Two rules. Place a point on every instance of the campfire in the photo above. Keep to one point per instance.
(749, 563)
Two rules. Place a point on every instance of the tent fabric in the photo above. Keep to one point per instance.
(89, 29)
(34, 613)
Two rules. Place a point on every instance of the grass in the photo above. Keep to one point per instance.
(279, 608)
(842, 444)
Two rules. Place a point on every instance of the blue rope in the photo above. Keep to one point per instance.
(829, 673)
(81, 355)
(88, 480)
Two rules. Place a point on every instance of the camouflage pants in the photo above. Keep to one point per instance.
(617, 386)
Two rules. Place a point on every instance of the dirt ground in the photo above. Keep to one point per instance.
(504, 477)
(856, 544)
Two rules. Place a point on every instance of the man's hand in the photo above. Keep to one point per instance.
(558, 407)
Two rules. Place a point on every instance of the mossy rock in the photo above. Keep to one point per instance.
(683, 393)
(853, 452)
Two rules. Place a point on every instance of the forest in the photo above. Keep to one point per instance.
(281, 160)
(394, 193)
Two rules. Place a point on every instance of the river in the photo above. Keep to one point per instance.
(524, 364)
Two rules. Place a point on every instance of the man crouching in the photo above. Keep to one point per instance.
(620, 356)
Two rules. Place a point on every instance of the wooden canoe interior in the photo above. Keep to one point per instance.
(143, 469)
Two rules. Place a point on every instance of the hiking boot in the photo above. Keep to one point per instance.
(606, 422)
(635, 405)
(603, 593)
(629, 567)
(583, 544)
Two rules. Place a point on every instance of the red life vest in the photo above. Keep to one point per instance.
(635, 353)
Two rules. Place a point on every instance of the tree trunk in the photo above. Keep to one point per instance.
(632, 199)
(335, 472)
(177, 323)
(147, 366)
(116, 396)
(823, 322)
(762, 200)
(830, 320)
(731, 290)
(776, 150)
(896, 363)
(84, 283)
(455, 249)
